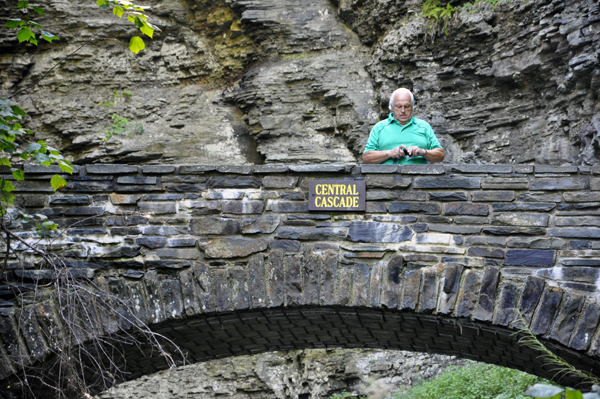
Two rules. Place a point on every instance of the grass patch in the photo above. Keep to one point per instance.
(474, 381)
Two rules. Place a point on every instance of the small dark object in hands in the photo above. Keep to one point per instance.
(405, 151)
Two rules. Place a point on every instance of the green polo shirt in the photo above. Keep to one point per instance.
(389, 134)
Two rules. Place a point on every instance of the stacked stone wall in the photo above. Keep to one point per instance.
(437, 244)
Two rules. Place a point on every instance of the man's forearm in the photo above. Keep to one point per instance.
(375, 156)
(435, 155)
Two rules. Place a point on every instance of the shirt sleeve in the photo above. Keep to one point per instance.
(431, 139)
(373, 142)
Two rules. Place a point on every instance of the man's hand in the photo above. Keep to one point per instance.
(413, 151)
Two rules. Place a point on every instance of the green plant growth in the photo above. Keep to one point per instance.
(473, 381)
(121, 126)
(436, 14)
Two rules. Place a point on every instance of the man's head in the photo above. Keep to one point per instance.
(401, 105)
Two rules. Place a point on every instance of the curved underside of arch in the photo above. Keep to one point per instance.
(218, 335)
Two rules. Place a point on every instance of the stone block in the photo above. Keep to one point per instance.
(447, 182)
(510, 230)
(173, 300)
(287, 206)
(486, 252)
(525, 257)
(231, 247)
(562, 184)
(292, 281)
(532, 292)
(565, 321)
(433, 238)
(162, 197)
(489, 196)
(379, 195)
(235, 169)
(196, 169)
(270, 168)
(310, 273)
(85, 211)
(427, 208)
(234, 182)
(68, 200)
(360, 231)
(525, 169)
(125, 220)
(556, 169)
(412, 196)
(151, 242)
(257, 290)
(428, 169)
(535, 242)
(444, 228)
(507, 304)
(505, 183)
(265, 224)
(108, 169)
(521, 219)
(343, 284)
(182, 242)
(411, 288)
(429, 290)
(447, 196)
(387, 182)
(39, 187)
(585, 328)
(450, 287)
(574, 232)
(577, 221)
(378, 168)
(582, 196)
(539, 197)
(220, 289)
(468, 293)
(487, 294)
(523, 206)
(280, 181)
(376, 207)
(485, 240)
(321, 168)
(125, 199)
(580, 245)
(215, 225)
(474, 220)
(157, 208)
(143, 188)
(390, 284)
(137, 180)
(158, 169)
(311, 233)
(465, 208)
(243, 207)
(547, 310)
(205, 207)
(285, 245)
(488, 168)
(238, 288)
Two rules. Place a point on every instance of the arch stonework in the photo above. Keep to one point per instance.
(227, 260)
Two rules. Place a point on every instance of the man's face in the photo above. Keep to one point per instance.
(402, 108)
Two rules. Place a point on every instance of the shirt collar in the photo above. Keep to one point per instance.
(391, 120)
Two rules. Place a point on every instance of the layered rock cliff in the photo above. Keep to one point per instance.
(296, 81)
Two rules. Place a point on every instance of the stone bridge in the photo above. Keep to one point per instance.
(228, 260)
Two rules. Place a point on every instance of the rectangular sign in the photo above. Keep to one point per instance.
(337, 195)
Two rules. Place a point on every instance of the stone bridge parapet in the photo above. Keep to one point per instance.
(442, 255)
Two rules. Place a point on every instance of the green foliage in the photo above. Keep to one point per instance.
(473, 381)
(121, 125)
(432, 11)
(11, 132)
(135, 14)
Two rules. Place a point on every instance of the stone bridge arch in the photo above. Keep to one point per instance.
(227, 261)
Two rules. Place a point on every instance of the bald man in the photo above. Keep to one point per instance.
(402, 138)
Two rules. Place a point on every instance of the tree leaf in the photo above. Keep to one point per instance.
(22, 4)
(544, 391)
(57, 182)
(136, 44)
(17, 110)
(5, 162)
(40, 11)
(12, 23)
(118, 11)
(33, 148)
(6, 185)
(65, 166)
(573, 394)
(147, 30)
(25, 34)
(18, 174)
(48, 36)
